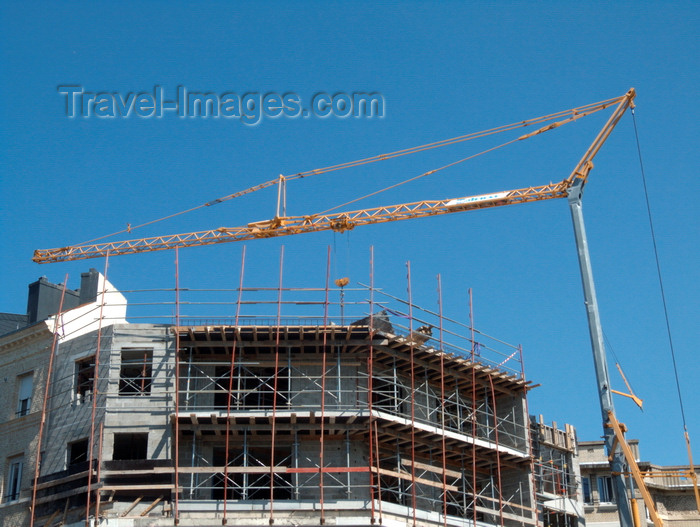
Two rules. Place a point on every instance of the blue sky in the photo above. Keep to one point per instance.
(443, 70)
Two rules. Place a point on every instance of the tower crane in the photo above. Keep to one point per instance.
(622, 461)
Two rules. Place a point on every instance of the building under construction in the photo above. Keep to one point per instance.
(359, 409)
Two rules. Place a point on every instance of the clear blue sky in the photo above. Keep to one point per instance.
(443, 70)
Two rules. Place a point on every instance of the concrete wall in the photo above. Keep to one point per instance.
(69, 415)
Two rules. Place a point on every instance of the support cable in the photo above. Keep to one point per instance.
(428, 173)
(568, 115)
(693, 475)
(658, 272)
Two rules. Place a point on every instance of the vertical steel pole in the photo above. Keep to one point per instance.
(617, 464)
(176, 453)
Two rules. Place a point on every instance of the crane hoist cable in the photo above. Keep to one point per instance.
(686, 434)
(658, 270)
(567, 115)
(659, 275)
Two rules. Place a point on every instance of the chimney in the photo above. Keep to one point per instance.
(89, 282)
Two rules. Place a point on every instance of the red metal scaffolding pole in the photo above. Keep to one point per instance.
(42, 422)
(274, 389)
(230, 387)
(442, 405)
(95, 393)
(176, 511)
(373, 441)
(533, 483)
(473, 350)
(498, 452)
(98, 498)
(323, 385)
(413, 397)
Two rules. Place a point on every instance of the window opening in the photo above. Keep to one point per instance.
(135, 375)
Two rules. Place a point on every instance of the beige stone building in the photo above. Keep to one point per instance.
(672, 494)
(23, 363)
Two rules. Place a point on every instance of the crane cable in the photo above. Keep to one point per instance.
(428, 173)
(658, 272)
(573, 114)
(686, 434)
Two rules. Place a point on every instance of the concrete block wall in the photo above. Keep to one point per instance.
(69, 416)
(149, 413)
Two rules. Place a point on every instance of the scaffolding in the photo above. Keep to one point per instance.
(360, 405)
(556, 474)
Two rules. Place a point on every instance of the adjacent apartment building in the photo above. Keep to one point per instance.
(670, 487)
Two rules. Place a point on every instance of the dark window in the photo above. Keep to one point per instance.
(605, 490)
(136, 371)
(14, 481)
(77, 452)
(24, 396)
(130, 446)
(586, 483)
(84, 378)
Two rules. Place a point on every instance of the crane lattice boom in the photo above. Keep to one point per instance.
(343, 221)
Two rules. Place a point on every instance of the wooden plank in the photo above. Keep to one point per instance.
(408, 477)
(507, 515)
(139, 487)
(52, 517)
(131, 507)
(61, 481)
(65, 512)
(431, 468)
(150, 507)
(154, 470)
(506, 503)
(61, 495)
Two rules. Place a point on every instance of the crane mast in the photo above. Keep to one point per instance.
(571, 188)
(617, 460)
